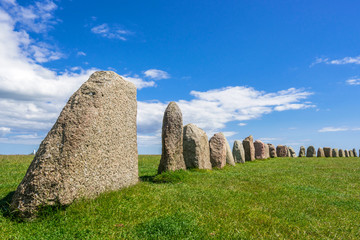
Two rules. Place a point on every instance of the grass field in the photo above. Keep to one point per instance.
(283, 198)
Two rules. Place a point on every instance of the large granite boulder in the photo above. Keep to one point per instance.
(292, 152)
(354, 153)
(92, 147)
(196, 148)
(272, 150)
(260, 150)
(229, 157)
(335, 152)
(327, 151)
(302, 151)
(238, 152)
(172, 140)
(267, 151)
(310, 152)
(249, 148)
(320, 152)
(218, 150)
(341, 153)
(281, 151)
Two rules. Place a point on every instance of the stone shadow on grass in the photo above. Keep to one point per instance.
(5, 204)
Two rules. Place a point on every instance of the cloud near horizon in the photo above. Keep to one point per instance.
(337, 129)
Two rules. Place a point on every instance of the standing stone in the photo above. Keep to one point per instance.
(292, 152)
(335, 152)
(320, 152)
(249, 148)
(354, 153)
(172, 140)
(267, 151)
(346, 153)
(196, 148)
(281, 151)
(260, 149)
(302, 151)
(229, 156)
(218, 150)
(310, 152)
(350, 152)
(341, 153)
(272, 150)
(327, 152)
(92, 147)
(238, 152)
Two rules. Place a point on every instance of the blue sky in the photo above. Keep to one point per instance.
(287, 72)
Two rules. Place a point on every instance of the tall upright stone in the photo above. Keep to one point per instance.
(310, 152)
(335, 152)
(351, 154)
(249, 148)
(341, 153)
(238, 152)
(302, 151)
(267, 151)
(272, 150)
(217, 145)
(320, 152)
(172, 140)
(292, 152)
(92, 147)
(346, 153)
(229, 156)
(327, 152)
(354, 153)
(281, 151)
(196, 147)
(260, 149)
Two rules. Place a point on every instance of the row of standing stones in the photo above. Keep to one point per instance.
(188, 147)
(92, 148)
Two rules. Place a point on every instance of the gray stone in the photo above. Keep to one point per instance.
(260, 149)
(92, 147)
(335, 152)
(249, 148)
(320, 152)
(327, 152)
(346, 153)
(172, 158)
(354, 153)
(196, 148)
(281, 151)
(229, 156)
(267, 151)
(292, 152)
(302, 151)
(351, 154)
(238, 152)
(218, 150)
(310, 152)
(272, 151)
(341, 153)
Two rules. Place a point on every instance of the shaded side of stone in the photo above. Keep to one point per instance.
(310, 152)
(281, 151)
(335, 152)
(302, 152)
(354, 152)
(292, 152)
(341, 153)
(238, 152)
(249, 148)
(272, 151)
(327, 151)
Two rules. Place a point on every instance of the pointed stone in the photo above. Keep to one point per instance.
(238, 152)
(218, 150)
(249, 148)
(354, 153)
(302, 151)
(292, 152)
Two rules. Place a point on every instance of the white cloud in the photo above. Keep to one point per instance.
(353, 81)
(139, 82)
(342, 61)
(80, 53)
(337, 129)
(242, 124)
(156, 74)
(4, 131)
(267, 139)
(106, 31)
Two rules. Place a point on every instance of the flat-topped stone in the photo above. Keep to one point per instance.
(260, 150)
(327, 151)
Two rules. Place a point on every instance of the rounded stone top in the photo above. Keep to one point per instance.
(102, 77)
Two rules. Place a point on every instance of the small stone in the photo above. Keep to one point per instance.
(327, 152)
(302, 151)
(260, 149)
(249, 148)
(218, 150)
(272, 150)
(320, 152)
(281, 151)
(238, 152)
(310, 152)
(335, 152)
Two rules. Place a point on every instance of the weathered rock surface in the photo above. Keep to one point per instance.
(350, 152)
(249, 148)
(91, 148)
(310, 152)
(238, 152)
(196, 148)
(346, 153)
(302, 151)
(267, 151)
(272, 150)
(281, 151)
(335, 152)
(218, 150)
(320, 152)
(172, 140)
(260, 150)
(327, 152)
(341, 153)
(229, 156)
(354, 153)
(292, 152)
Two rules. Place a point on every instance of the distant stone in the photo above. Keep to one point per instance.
(302, 151)
(354, 152)
(218, 150)
(351, 154)
(267, 151)
(229, 156)
(335, 152)
(320, 152)
(327, 152)
(346, 153)
(196, 148)
(310, 152)
(92, 147)
(281, 151)
(341, 153)
(238, 152)
(172, 140)
(249, 148)
(272, 151)
(260, 149)
(292, 153)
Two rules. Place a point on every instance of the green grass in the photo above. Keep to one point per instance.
(283, 198)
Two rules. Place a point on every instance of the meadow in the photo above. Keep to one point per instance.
(281, 198)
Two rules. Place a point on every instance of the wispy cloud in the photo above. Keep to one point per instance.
(113, 32)
(156, 74)
(80, 53)
(341, 61)
(242, 124)
(337, 129)
(353, 81)
(267, 139)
